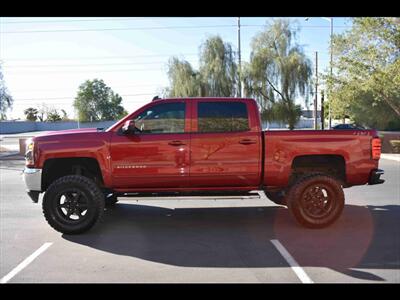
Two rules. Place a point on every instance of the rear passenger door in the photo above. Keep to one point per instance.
(225, 146)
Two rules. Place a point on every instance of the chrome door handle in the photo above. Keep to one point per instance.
(247, 142)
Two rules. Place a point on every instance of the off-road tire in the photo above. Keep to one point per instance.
(87, 190)
(312, 187)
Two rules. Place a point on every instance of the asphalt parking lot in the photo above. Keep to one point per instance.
(207, 241)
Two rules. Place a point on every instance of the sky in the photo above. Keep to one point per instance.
(44, 60)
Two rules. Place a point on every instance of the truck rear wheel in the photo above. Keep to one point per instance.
(73, 204)
(316, 200)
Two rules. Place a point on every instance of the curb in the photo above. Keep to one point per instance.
(9, 153)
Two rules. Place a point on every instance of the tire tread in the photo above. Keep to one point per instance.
(94, 190)
(294, 194)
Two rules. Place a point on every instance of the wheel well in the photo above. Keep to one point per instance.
(58, 167)
(333, 165)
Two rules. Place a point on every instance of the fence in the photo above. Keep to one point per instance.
(26, 126)
(302, 124)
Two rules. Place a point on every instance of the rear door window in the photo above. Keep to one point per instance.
(222, 116)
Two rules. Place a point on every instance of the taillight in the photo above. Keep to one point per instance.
(376, 148)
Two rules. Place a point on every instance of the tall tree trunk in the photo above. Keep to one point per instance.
(392, 106)
(291, 114)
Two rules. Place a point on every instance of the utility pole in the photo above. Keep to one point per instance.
(316, 90)
(331, 50)
(240, 61)
(322, 110)
(330, 95)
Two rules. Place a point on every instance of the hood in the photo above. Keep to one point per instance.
(68, 131)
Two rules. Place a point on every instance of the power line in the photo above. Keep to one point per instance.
(68, 21)
(115, 29)
(87, 65)
(64, 89)
(100, 20)
(99, 57)
(81, 65)
(71, 98)
(92, 19)
(302, 26)
(5, 60)
(81, 71)
(159, 27)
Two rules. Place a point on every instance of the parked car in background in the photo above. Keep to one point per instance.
(348, 126)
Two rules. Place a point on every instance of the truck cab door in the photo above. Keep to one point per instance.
(157, 153)
(225, 145)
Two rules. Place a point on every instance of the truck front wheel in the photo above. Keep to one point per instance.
(73, 204)
(316, 201)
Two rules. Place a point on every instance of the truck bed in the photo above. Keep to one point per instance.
(281, 147)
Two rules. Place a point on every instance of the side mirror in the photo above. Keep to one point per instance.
(129, 127)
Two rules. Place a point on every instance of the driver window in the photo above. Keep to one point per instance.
(162, 118)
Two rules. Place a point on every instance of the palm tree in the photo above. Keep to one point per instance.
(31, 114)
(278, 72)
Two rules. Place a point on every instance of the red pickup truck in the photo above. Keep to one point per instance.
(197, 146)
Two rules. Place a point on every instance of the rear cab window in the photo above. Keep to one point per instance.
(222, 116)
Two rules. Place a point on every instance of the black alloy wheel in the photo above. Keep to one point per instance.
(73, 204)
(316, 200)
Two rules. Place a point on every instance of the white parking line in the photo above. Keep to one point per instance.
(292, 262)
(26, 262)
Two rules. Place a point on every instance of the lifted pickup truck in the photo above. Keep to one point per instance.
(197, 146)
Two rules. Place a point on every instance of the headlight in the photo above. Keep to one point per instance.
(29, 153)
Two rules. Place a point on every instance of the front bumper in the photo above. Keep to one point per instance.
(33, 182)
(374, 177)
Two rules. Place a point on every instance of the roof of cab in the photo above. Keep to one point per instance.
(202, 98)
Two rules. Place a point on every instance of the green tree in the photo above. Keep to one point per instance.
(6, 100)
(96, 101)
(184, 80)
(216, 77)
(112, 109)
(277, 73)
(218, 69)
(31, 114)
(64, 115)
(53, 116)
(366, 82)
